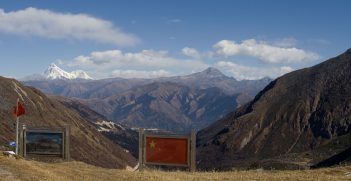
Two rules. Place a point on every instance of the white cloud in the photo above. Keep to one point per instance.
(140, 74)
(54, 25)
(191, 52)
(145, 60)
(263, 51)
(241, 72)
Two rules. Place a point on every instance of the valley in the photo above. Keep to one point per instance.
(177, 103)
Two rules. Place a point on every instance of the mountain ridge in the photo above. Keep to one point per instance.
(210, 77)
(297, 112)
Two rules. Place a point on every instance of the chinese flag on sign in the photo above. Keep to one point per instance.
(19, 109)
(166, 150)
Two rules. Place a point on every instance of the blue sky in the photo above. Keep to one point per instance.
(244, 39)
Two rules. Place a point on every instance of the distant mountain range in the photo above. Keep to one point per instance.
(172, 103)
(53, 72)
(297, 120)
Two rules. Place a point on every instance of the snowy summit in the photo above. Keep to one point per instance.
(55, 72)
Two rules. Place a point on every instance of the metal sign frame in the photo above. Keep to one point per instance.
(191, 146)
(65, 131)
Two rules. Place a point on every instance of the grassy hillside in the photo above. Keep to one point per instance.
(19, 169)
(87, 143)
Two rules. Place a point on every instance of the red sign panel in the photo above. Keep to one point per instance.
(166, 150)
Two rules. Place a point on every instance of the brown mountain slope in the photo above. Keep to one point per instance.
(119, 134)
(87, 144)
(297, 112)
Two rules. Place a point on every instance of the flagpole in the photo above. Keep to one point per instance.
(17, 123)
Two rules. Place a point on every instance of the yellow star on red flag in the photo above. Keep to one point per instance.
(152, 144)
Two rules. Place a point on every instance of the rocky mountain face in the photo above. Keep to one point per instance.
(173, 103)
(167, 106)
(87, 143)
(301, 112)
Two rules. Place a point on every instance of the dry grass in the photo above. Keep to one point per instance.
(18, 169)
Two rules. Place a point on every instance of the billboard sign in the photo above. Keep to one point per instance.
(167, 149)
(45, 142)
(49, 143)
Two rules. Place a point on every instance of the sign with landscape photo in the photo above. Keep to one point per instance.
(44, 143)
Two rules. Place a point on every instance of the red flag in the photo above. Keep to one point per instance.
(166, 150)
(19, 109)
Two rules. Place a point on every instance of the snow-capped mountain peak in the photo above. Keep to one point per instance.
(55, 72)
(80, 74)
